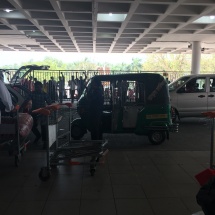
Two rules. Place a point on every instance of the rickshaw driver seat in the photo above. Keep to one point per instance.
(106, 120)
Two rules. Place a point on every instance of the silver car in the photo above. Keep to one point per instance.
(193, 94)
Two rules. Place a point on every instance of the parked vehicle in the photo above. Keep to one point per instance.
(193, 94)
(133, 103)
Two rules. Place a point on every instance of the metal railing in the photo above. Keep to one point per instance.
(41, 75)
(48, 76)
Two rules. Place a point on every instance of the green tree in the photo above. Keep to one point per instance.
(85, 64)
(208, 63)
(120, 67)
(136, 64)
(167, 62)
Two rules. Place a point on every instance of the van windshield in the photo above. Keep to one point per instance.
(178, 83)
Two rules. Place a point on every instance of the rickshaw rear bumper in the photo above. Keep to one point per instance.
(167, 128)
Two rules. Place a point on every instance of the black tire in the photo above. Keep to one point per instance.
(77, 132)
(157, 137)
(53, 166)
(17, 160)
(174, 114)
(92, 171)
(44, 174)
(10, 151)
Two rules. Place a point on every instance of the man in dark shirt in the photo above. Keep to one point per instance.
(96, 101)
(39, 100)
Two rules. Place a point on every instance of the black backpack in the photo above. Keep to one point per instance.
(206, 197)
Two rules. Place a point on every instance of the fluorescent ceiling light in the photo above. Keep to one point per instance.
(105, 35)
(110, 17)
(206, 20)
(8, 10)
(33, 33)
(13, 15)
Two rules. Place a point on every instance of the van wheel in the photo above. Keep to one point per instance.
(77, 132)
(174, 114)
(156, 137)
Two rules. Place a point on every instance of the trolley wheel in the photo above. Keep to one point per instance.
(10, 151)
(44, 174)
(22, 152)
(53, 166)
(17, 160)
(76, 132)
(10, 148)
(156, 137)
(92, 171)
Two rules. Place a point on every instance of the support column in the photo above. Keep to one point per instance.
(196, 57)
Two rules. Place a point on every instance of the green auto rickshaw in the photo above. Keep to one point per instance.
(133, 103)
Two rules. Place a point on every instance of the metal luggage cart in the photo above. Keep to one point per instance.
(10, 137)
(60, 149)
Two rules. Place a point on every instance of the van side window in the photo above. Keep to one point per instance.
(195, 85)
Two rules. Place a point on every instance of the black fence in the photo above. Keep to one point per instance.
(57, 82)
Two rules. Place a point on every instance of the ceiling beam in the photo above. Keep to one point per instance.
(18, 6)
(60, 14)
(161, 17)
(134, 6)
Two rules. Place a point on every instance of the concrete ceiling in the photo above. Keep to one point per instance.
(151, 26)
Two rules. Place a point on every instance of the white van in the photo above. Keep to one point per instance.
(193, 94)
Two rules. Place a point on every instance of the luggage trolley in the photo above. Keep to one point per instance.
(60, 149)
(14, 129)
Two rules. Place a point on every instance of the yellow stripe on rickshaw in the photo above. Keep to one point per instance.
(156, 116)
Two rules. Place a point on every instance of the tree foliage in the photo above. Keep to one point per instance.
(152, 62)
(167, 62)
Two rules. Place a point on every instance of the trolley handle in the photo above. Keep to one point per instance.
(47, 110)
(68, 104)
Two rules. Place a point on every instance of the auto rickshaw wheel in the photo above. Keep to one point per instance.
(76, 132)
(156, 137)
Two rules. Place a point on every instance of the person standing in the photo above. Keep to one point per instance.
(39, 100)
(61, 87)
(52, 89)
(45, 86)
(72, 85)
(6, 104)
(31, 83)
(81, 84)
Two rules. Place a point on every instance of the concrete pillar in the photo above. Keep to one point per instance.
(196, 57)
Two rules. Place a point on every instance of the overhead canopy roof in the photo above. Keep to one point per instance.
(107, 26)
